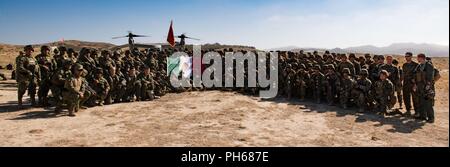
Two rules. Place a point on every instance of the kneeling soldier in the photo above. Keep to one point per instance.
(74, 90)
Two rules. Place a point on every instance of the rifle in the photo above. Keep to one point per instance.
(89, 88)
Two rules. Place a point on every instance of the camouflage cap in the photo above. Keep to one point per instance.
(352, 55)
(28, 47)
(45, 47)
(78, 67)
(384, 72)
(346, 71)
(381, 57)
(302, 66)
(67, 62)
(99, 71)
(62, 48)
(317, 67)
(395, 62)
(421, 55)
(331, 67)
(364, 72)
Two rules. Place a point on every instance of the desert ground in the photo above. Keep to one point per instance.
(215, 118)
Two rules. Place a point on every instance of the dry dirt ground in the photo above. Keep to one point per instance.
(215, 119)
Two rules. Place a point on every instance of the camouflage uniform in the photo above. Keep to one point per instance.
(301, 80)
(28, 76)
(362, 90)
(146, 86)
(317, 80)
(101, 87)
(118, 85)
(132, 86)
(394, 78)
(346, 86)
(47, 66)
(290, 79)
(73, 91)
(424, 79)
(408, 83)
(58, 79)
(384, 92)
(332, 85)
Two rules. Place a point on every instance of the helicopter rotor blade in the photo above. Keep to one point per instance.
(120, 37)
(141, 36)
(193, 38)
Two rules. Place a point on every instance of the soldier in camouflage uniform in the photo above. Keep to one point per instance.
(356, 65)
(290, 79)
(146, 85)
(59, 77)
(362, 90)
(384, 92)
(28, 75)
(47, 66)
(424, 87)
(399, 85)
(74, 90)
(332, 84)
(61, 57)
(408, 83)
(394, 77)
(301, 80)
(101, 87)
(345, 64)
(132, 85)
(117, 83)
(317, 80)
(346, 87)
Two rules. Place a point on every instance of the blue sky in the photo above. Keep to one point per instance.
(261, 23)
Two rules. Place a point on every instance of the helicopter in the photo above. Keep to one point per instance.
(131, 37)
(183, 38)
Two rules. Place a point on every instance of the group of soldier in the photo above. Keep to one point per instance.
(93, 78)
(371, 83)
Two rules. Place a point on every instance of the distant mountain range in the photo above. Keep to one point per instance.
(432, 50)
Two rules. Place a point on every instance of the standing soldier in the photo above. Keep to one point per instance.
(424, 87)
(332, 84)
(46, 65)
(317, 79)
(27, 75)
(355, 63)
(408, 82)
(362, 90)
(61, 57)
(384, 91)
(301, 79)
(346, 87)
(74, 90)
(345, 64)
(399, 85)
(290, 78)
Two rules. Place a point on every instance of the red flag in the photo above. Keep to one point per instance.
(170, 36)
